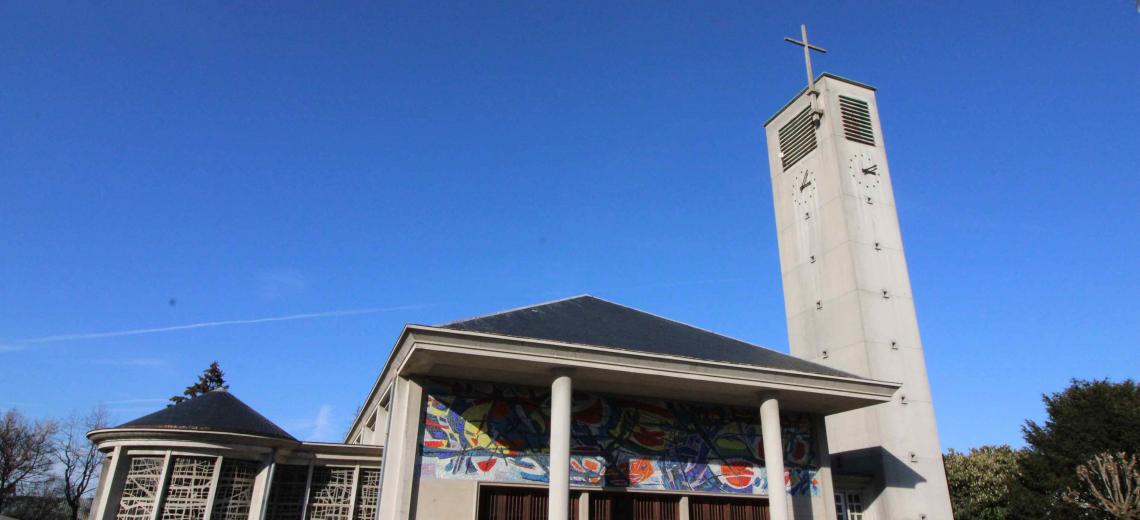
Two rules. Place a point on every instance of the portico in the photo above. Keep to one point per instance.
(600, 419)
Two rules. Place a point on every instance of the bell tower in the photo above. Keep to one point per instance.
(847, 293)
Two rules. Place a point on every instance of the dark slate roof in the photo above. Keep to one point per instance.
(216, 411)
(593, 321)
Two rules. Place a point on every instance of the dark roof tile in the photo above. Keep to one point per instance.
(593, 321)
(217, 411)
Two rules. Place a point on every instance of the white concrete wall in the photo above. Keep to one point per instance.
(399, 477)
(838, 254)
(449, 499)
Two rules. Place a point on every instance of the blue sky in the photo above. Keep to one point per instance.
(429, 163)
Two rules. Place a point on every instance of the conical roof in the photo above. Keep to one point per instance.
(216, 411)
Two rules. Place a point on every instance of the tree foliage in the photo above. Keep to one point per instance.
(1088, 418)
(981, 481)
(211, 379)
(25, 453)
(1111, 483)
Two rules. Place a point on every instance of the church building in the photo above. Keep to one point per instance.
(586, 409)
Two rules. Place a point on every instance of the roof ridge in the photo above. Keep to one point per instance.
(702, 329)
(516, 309)
(639, 330)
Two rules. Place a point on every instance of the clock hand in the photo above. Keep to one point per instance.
(871, 170)
(805, 183)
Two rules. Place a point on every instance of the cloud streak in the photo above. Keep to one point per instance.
(322, 425)
(203, 325)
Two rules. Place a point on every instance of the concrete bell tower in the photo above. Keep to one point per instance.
(847, 293)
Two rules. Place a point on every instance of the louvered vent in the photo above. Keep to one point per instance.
(797, 138)
(856, 120)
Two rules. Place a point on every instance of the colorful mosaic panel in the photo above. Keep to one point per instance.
(499, 433)
(235, 490)
(330, 497)
(188, 490)
(140, 491)
(367, 494)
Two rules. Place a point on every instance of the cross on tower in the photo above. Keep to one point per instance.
(808, 47)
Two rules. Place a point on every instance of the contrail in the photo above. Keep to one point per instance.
(208, 324)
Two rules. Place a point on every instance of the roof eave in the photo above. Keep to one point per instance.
(849, 392)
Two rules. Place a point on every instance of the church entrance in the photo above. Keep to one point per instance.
(724, 508)
(633, 506)
(509, 503)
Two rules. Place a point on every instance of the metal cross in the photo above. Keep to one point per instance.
(808, 47)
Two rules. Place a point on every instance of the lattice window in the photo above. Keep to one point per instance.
(848, 505)
(140, 491)
(188, 492)
(287, 494)
(367, 494)
(235, 490)
(330, 494)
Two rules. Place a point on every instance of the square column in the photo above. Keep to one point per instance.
(559, 500)
(773, 457)
(396, 489)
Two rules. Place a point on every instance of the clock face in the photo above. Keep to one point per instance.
(865, 171)
(803, 190)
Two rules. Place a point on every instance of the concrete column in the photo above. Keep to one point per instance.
(213, 488)
(262, 485)
(774, 457)
(826, 509)
(163, 482)
(396, 491)
(560, 393)
(111, 485)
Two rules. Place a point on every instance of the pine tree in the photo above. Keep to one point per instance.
(1088, 418)
(211, 379)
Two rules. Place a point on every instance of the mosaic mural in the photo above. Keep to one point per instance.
(498, 433)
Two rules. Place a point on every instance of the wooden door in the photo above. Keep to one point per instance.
(634, 506)
(723, 508)
(505, 503)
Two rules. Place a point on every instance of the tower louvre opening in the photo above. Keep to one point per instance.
(856, 120)
(797, 138)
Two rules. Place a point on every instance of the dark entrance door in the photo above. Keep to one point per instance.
(506, 503)
(633, 506)
(724, 508)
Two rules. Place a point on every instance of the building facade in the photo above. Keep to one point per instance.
(585, 409)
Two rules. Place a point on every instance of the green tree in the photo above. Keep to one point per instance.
(211, 379)
(1087, 418)
(981, 481)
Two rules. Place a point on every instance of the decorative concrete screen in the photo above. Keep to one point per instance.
(287, 493)
(331, 494)
(367, 494)
(499, 433)
(188, 491)
(235, 490)
(140, 491)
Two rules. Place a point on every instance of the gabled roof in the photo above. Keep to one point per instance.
(216, 411)
(593, 321)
